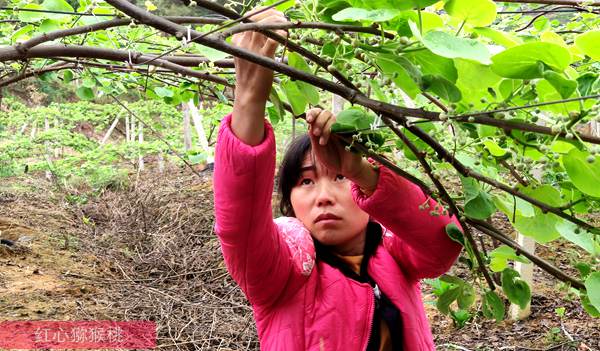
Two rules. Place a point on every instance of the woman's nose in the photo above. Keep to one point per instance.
(324, 194)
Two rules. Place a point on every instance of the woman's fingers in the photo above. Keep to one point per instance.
(312, 114)
(320, 121)
(327, 131)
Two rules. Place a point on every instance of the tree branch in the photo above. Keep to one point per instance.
(58, 51)
(553, 2)
(540, 262)
(467, 172)
(304, 25)
(447, 198)
(36, 72)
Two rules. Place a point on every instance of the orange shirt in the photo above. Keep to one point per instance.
(386, 340)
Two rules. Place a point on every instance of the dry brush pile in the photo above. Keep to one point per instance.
(166, 263)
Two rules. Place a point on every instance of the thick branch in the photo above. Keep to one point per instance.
(508, 125)
(103, 26)
(56, 51)
(298, 25)
(351, 95)
(213, 6)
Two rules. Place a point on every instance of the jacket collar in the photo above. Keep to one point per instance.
(372, 240)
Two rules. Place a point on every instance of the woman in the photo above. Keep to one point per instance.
(342, 270)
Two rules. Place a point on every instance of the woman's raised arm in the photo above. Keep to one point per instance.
(253, 82)
(256, 254)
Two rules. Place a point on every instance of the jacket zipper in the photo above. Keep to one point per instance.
(371, 315)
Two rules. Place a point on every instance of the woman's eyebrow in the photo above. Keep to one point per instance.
(308, 168)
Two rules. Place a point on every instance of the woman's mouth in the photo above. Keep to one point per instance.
(327, 218)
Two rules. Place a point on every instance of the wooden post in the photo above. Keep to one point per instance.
(337, 104)
(161, 162)
(141, 141)
(110, 130)
(127, 132)
(132, 132)
(202, 139)
(187, 130)
(48, 151)
(57, 151)
(23, 128)
(526, 272)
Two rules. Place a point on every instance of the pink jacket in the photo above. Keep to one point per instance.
(301, 303)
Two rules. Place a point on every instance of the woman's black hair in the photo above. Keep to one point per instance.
(289, 172)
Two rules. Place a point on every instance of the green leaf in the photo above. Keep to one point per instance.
(565, 87)
(429, 21)
(295, 97)
(478, 13)
(493, 307)
(501, 38)
(455, 233)
(478, 204)
(579, 237)
(587, 305)
(163, 92)
(444, 301)
(500, 256)
(494, 149)
(460, 317)
(402, 72)
(67, 76)
(27, 16)
(584, 175)
(523, 61)
(352, 119)
(210, 53)
(588, 43)
(431, 63)
(584, 269)
(447, 45)
(56, 5)
(281, 7)
(466, 297)
(85, 93)
(586, 82)
(516, 289)
(298, 62)
(546, 92)
(357, 14)
(474, 76)
(592, 286)
(507, 204)
(278, 111)
(22, 33)
(441, 87)
(48, 25)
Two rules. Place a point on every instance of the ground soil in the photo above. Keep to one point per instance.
(148, 252)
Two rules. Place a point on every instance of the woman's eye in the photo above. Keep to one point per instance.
(339, 177)
(305, 181)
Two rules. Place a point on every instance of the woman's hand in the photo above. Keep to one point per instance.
(253, 82)
(331, 152)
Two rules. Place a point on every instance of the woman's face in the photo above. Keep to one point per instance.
(323, 202)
